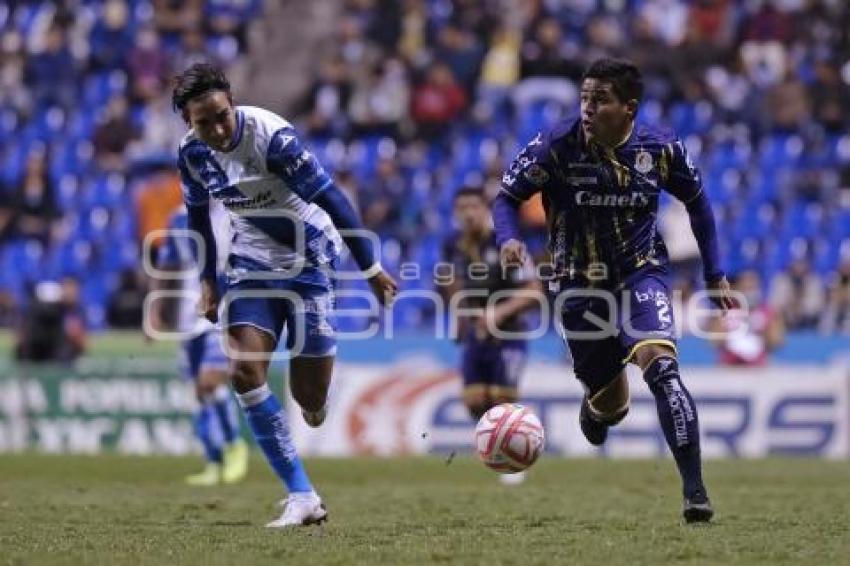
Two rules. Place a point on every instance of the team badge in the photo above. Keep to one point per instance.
(536, 175)
(643, 162)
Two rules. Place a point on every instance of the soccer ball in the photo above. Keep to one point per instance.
(509, 438)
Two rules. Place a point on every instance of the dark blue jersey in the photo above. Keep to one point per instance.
(602, 204)
(477, 265)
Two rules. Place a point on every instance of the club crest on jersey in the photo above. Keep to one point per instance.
(643, 162)
(536, 175)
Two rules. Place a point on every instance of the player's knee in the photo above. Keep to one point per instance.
(310, 380)
(661, 369)
(208, 382)
(477, 401)
(246, 376)
(646, 354)
(611, 404)
(502, 394)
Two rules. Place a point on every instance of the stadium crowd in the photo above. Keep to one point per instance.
(416, 98)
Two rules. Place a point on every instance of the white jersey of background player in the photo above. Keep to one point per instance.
(201, 355)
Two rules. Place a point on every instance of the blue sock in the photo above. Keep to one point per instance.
(678, 416)
(226, 412)
(203, 430)
(271, 429)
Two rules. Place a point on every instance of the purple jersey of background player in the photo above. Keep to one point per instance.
(602, 203)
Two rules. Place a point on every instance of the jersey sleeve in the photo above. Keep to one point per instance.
(683, 179)
(194, 192)
(296, 165)
(529, 172)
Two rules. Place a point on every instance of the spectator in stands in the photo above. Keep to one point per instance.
(499, 73)
(412, 44)
(745, 337)
(462, 53)
(148, 66)
(52, 74)
(125, 305)
(798, 294)
(193, 49)
(111, 37)
(836, 316)
(437, 102)
(788, 104)
(156, 199)
(113, 134)
(830, 96)
(380, 100)
(547, 70)
(173, 17)
(327, 100)
(383, 200)
(31, 203)
(230, 19)
(13, 91)
(52, 328)
(162, 132)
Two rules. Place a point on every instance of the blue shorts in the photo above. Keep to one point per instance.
(493, 363)
(303, 304)
(202, 352)
(642, 315)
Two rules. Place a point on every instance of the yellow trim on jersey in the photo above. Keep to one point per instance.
(648, 342)
(492, 391)
(664, 163)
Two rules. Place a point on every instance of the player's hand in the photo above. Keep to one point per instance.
(513, 252)
(721, 295)
(384, 287)
(208, 305)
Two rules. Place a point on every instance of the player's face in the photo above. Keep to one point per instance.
(471, 213)
(605, 119)
(213, 118)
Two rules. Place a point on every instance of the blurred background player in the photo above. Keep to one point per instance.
(601, 178)
(491, 366)
(276, 193)
(202, 358)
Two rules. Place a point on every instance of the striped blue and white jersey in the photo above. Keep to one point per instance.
(180, 252)
(267, 183)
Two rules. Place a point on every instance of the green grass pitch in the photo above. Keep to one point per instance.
(115, 510)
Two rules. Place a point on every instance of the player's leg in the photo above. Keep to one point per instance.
(603, 406)
(677, 414)
(253, 327)
(213, 387)
(204, 421)
(311, 341)
(597, 364)
(507, 365)
(650, 342)
(475, 369)
(309, 381)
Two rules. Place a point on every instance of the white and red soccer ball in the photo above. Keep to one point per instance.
(509, 438)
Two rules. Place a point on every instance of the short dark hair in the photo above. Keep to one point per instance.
(470, 191)
(624, 76)
(196, 81)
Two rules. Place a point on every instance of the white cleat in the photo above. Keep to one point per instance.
(315, 418)
(301, 509)
(512, 479)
